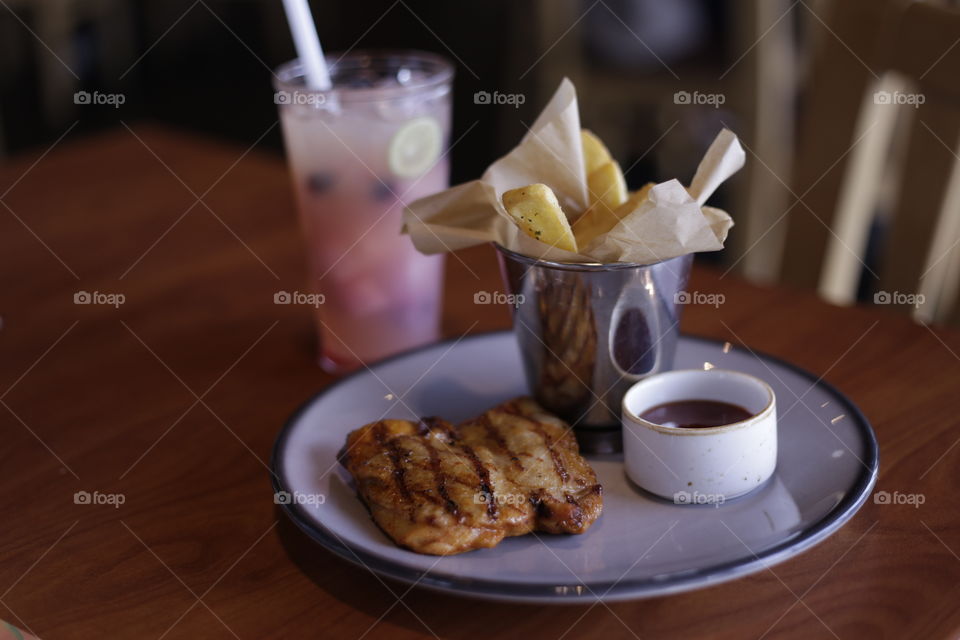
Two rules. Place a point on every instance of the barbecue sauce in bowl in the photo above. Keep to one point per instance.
(695, 414)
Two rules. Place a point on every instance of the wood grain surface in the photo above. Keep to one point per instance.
(173, 399)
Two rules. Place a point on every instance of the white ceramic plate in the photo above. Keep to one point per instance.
(641, 546)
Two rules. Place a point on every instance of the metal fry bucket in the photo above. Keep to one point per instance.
(587, 332)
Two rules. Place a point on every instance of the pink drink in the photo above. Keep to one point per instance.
(357, 153)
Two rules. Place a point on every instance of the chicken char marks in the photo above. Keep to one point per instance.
(441, 490)
(539, 453)
(427, 491)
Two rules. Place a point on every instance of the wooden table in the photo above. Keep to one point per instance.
(172, 401)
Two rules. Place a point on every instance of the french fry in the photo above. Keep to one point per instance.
(595, 153)
(537, 212)
(599, 218)
(606, 185)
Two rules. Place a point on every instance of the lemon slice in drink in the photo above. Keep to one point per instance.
(415, 147)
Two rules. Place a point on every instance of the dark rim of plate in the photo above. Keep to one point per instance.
(580, 592)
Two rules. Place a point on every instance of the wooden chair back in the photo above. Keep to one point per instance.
(878, 137)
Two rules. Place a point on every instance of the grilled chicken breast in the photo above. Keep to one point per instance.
(539, 453)
(430, 493)
(441, 490)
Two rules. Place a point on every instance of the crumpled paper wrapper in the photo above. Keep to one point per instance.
(670, 223)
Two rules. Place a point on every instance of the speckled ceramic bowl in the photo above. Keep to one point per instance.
(700, 465)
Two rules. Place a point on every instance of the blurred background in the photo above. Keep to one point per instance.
(847, 108)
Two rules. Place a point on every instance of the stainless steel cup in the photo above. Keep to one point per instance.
(587, 332)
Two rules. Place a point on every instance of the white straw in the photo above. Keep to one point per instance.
(308, 44)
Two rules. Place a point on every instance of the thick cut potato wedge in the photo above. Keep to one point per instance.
(537, 212)
(600, 218)
(607, 186)
(595, 153)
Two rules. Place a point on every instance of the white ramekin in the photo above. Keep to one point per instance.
(700, 465)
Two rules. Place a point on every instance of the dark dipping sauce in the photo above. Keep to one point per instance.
(695, 414)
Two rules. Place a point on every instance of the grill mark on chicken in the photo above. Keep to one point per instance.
(558, 465)
(448, 479)
(557, 462)
(494, 434)
(538, 429)
(484, 476)
(440, 478)
(429, 424)
(396, 461)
